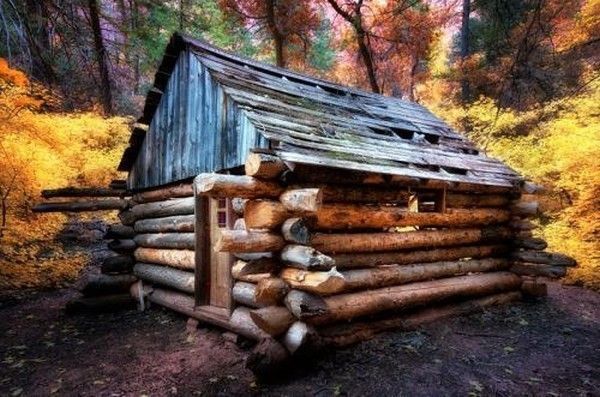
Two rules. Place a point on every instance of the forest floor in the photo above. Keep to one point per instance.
(550, 347)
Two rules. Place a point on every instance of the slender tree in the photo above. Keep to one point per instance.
(464, 44)
(289, 24)
(355, 18)
(101, 57)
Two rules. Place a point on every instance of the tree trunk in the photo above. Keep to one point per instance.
(538, 269)
(296, 230)
(543, 257)
(459, 200)
(253, 270)
(117, 264)
(172, 224)
(242, 186)
(366, 260)
(82, 206)
(182, 259)
(82, 192)
(274, 320)
(245, 294)
(464, 46)
(346, 334)
(160, 209)
(270, 291)
(307, 200)
(176, 191)
(356, 194)
(118, 231)
(264, 166)
(377, 242)
(248, 241)
(122, 246)
(265, 214)
(278, 37)
(166, 240)
(304, 257)
(173, 278)
(101, 57)
(344, 307)
(531, 243)
(333, 282)
(525, 208)
(298, 336)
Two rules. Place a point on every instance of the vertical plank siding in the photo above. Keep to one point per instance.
(196, 128)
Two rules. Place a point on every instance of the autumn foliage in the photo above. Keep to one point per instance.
(43, 150)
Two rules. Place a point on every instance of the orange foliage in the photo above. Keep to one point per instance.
(40, 150)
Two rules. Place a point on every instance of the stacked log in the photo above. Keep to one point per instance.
(108, 290)
(529, 258)
(324, 250)
(163, 222)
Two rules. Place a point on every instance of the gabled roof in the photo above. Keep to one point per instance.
(313, 121)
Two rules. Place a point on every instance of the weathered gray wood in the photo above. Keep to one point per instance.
(188, 130)
(82, 206)
(169, 277)
(538, 269)
(166, 240)
(531, 243)
(160, 209)
(179, 223)
(176, 191)
(244, 293)
(117, 264)
(549, 258)
(304, 257)
(122, 246)
(119, 231)
(83, 192)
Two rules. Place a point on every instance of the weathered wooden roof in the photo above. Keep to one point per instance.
(312, 121)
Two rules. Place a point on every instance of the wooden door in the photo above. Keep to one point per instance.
(213, 269)
(220, 218)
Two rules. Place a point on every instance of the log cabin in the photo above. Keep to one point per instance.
(301, 213)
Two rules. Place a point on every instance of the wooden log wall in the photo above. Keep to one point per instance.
(163, 222)
(528, 257)
(108, 290)
(318, 250)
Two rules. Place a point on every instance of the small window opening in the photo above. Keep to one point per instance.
(455, 171)
(431, 138)
(404, 134)
(432, 201)
(380, 131)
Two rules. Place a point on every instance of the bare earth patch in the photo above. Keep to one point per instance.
(549, 348)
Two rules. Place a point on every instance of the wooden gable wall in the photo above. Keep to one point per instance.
(196, 128)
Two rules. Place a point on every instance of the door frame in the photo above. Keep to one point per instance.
(204, 218)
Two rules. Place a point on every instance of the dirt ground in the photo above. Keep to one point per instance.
(546, 348)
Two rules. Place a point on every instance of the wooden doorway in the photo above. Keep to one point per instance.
(213, 269)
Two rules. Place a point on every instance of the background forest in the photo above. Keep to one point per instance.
(520, 77)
